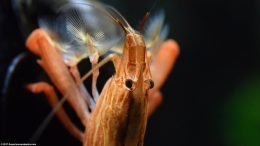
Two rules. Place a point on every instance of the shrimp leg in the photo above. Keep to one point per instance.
(85, 94)
(40, 44)
(48, 90)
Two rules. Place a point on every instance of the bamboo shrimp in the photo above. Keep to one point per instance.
(121, 111)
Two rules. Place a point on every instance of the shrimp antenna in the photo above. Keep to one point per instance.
(146, 16)
(121, 25)
(113, 11)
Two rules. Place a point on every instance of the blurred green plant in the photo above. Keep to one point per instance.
(242, 115)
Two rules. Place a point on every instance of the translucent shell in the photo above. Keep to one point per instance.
(82, 29)
(155, 31)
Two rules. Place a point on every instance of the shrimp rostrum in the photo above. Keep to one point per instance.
(118, 115)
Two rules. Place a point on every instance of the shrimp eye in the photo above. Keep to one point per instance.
(129, 83)
(151, 84)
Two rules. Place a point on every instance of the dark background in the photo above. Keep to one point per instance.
(219, 62)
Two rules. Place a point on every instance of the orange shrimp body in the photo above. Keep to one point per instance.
(120, 115)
